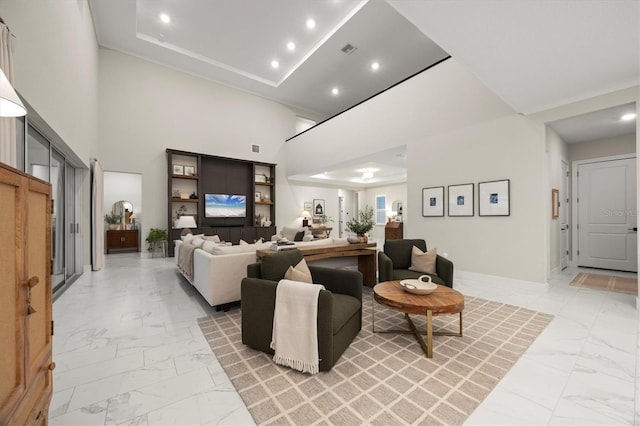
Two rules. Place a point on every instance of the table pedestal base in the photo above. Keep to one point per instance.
(427, 346)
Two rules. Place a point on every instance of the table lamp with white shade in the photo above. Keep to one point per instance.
(186, 223)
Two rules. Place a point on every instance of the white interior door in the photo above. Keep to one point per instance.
(564, 217)
(607, 222)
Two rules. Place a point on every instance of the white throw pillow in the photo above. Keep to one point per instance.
(209, 245)
(197, 241)
(213, 238)
(243, 243)
(289, 233)
(423, 262)
(300, 272)
(187, 238)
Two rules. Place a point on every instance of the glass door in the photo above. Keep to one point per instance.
(58, 174)
(72, 227)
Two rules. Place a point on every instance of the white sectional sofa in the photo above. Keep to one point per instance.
(218, 271)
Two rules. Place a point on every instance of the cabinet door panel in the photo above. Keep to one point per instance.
(38, 231)
(12, 312)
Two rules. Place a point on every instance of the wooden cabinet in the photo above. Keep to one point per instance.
(25, 305)
(122, 240)
(393, 231)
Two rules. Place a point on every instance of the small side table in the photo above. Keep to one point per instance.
(162, 245)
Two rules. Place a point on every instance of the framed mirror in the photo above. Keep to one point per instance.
(124, 209)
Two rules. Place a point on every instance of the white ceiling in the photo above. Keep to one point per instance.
(234, 43)
(534, 54)
(597, 125)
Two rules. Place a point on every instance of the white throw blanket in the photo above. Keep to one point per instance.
(295, 331)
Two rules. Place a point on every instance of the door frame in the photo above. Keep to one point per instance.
(574, 198)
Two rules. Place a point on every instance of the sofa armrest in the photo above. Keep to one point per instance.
(444, 269)
(338, 281)
(253, 270)
(385, 267)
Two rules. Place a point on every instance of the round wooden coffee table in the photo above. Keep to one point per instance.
(443, 301)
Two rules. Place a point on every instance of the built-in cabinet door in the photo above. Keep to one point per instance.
(25, 311)
(12, 313)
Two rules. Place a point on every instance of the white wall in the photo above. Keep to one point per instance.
(608, 147)
(120, 186)
(557, 151)
(146, 108)
(56, 66)
(456, 131)
(56, 72)
(393, 193)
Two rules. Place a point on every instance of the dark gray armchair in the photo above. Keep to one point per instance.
(339, 305)
(395, 259)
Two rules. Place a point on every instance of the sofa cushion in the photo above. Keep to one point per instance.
(209, 245)
(243, 248)
(187, 238)
(274, 266)
(214, 238)
(423, 262)
(344, 307)
(300, 272)
(289, 233)
(197, 241)
(299, 236)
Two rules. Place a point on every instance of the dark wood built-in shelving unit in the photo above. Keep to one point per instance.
(220, 175)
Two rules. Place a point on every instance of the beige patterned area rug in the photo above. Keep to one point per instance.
(606, 282)
(383, 378)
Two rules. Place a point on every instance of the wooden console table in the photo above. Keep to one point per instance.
(366, 253)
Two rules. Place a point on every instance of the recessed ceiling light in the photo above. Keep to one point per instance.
(311, 24)
(375, 66)
(291, 46)
(335, 91)
(165, 18)
(275, 64)
(628, 117)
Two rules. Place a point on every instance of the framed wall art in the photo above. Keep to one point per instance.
(555, 203)
(433, 201)
(189, 170)
(318, 207)
(308, 207)
(461, 200)
(178, 169)
(493, 198)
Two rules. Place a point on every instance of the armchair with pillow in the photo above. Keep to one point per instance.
(405, 259)
(339, 305)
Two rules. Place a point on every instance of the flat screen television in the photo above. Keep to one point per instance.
(225, 205)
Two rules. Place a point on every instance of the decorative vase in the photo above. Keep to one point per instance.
(362, 238)
(353, 239)
(114, 226)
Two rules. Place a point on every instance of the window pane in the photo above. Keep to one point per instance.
(37, 155)
(381, 209)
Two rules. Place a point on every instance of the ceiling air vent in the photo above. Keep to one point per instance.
(348, 49)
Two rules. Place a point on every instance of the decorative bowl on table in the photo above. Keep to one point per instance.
(423, 285)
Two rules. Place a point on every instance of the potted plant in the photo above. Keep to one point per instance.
(362, 224)
(155, 236)
(113, 220)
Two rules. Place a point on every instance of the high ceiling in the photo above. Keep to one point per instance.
(235, 43)
(534, 54)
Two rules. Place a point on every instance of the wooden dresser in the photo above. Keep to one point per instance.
(393, 231)
(25, 306)
(122, 240)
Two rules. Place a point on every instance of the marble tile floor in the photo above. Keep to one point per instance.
(129, 351)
